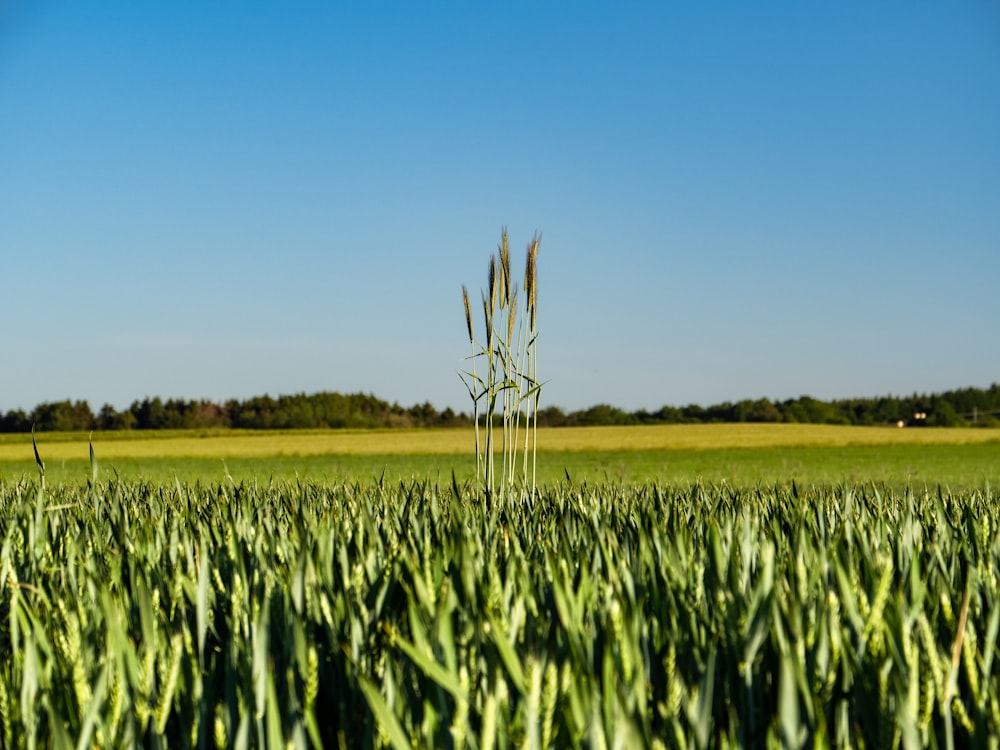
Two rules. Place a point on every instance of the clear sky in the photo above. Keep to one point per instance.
(736, 200)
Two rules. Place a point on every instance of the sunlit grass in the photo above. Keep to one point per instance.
(250, 444)
(735, 454)
(306, 614)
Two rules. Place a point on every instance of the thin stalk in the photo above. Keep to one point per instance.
(524, 379)
(524, 387)
(531, 291)
(534, 434)
(475, 417)
(512, 399)
(475, 398)
(488, 389)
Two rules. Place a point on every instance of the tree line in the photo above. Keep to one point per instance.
(967, 406)
(300, 411)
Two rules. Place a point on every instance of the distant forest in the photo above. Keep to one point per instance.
(968, 406)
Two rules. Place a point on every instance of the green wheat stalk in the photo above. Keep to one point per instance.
(475, 401)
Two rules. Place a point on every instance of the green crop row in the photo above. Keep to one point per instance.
(326, 615)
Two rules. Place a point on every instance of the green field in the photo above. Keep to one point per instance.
(740, 455)
(303, 614)
(667, 587)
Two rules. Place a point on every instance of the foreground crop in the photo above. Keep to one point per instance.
(331, 615)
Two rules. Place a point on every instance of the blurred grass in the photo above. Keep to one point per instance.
(254, 443)
(953, 465)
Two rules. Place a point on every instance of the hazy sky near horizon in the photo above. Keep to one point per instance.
(736, 200)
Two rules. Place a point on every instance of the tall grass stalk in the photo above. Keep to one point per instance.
(509, 389)
(475, 401)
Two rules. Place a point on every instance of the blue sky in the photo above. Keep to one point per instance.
(736, 200)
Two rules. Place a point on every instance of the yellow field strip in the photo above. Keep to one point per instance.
(452, 441)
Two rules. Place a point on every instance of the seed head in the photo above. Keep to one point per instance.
(531, 278)
(493, 282)
(510, 315)
(468, 311)
(489, 323)
(505, 269)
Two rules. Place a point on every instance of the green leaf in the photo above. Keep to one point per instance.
(261, 657)
(29, 679)
(792, 731)
(702, 716)
(991, 642)
(57, 725)
(201, 607)
(507, 655)
(275, 735)
(38, 459)
(93, 716)
(93, 460)
(385, 720)
(429, 666)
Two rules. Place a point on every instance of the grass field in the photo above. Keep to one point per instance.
(305, 615)
(738, 454)
(667, 587)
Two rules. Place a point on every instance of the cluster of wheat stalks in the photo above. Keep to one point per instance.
(509, 385)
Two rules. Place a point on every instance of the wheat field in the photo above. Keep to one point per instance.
(244, 444)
